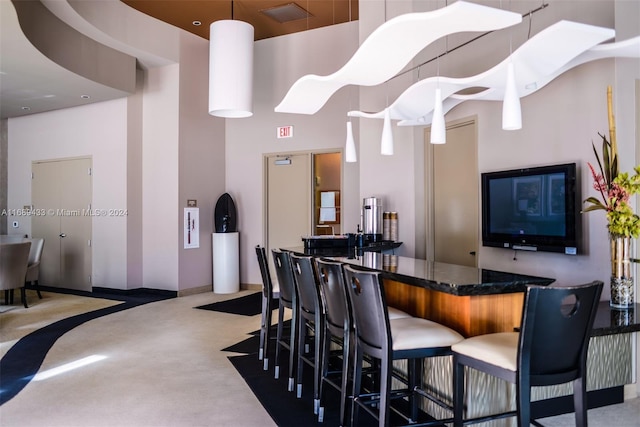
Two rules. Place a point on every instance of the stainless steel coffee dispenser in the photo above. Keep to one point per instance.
(372, 219)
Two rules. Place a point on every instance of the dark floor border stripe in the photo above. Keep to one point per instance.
(138, 294)
(22, 362)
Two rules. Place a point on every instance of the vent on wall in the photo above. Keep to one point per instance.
(286, 13)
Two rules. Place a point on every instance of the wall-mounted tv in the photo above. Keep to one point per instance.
(531, 209)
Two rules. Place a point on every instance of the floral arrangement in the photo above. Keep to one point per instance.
(615, 188)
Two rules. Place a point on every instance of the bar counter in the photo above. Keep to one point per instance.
(478, 301)
(448, 278)
(470, 300)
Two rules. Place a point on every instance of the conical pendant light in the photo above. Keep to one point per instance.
(511, 113)
(386, 146)
(350, 151)
(438, 129)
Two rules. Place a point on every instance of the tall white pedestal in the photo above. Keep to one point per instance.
(226, 262)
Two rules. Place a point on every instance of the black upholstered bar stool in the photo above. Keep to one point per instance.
(288, 300)
(407, 338)
(551, 348)
(270, 293)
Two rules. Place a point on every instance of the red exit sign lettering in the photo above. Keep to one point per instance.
(285, 131)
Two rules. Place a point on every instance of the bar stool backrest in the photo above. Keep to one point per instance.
(369, 314)
(267, 284)
(284, 273)
(306, 281)
(333, 293)
(555, 331)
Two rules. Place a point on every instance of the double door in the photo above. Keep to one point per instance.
(61, 193)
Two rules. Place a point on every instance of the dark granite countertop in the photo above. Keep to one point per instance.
(466, 281)
(450, 278)
(615, 321)
(346, 251)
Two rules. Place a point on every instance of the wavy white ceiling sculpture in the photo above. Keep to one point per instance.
(397, 41)
(536, 62)
(629, 48)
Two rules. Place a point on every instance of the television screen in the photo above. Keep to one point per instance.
(531, 209)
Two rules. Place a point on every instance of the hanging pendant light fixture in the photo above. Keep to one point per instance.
(438, 128)
(350, 150)
(231, 68)
(511, 112)
(386, 146)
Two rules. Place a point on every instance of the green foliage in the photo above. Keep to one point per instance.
(615, 189)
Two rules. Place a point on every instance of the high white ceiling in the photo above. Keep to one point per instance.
(30, 82)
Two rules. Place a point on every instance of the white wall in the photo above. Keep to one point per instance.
(278, 63)
(201, 162)
(97, 131)
(160, 178)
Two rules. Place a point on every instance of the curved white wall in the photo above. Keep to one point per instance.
(97, 130)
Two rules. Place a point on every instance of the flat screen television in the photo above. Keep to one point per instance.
(531, 209)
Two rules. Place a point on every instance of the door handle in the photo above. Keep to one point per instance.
(473, 253)
(63, 235)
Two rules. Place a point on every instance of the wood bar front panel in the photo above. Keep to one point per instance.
(469, 315)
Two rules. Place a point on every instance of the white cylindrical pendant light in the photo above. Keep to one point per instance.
(511, 113)
(231, 69)
(350, 151)
(438, 128)
(386, 145)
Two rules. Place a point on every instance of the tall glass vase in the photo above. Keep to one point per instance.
(622, 295)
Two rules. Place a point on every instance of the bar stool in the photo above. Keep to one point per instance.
(551, 348)
(288, 300)
(337, 328)
(310, 319)
(408, 338)
(270, 293)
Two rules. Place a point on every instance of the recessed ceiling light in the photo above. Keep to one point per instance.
(85, 96)
(197, 23)
(26, 108)
(286, 13)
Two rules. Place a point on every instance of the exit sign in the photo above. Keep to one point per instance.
(285, 132)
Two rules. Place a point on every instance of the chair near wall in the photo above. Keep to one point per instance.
(288, 300)
(33, 268)
(13, 268)
(551, 348)
(270, 293)
(310, 323)
(409, 338)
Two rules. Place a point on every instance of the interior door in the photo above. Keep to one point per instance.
(62, 189)
(45, 198)
(455, 190)
(289, 201)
